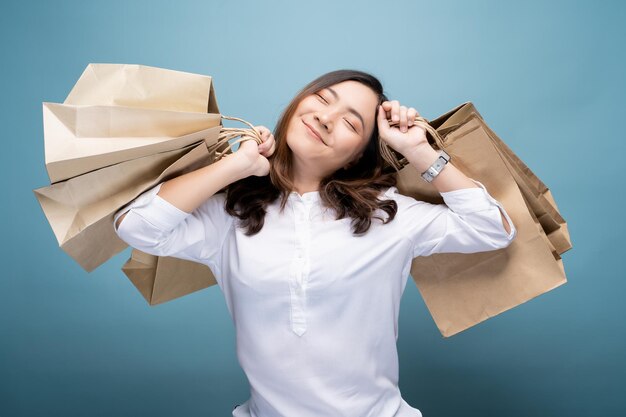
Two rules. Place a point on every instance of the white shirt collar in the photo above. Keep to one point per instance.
(307, 197)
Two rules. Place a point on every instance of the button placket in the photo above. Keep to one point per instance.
(299, 270)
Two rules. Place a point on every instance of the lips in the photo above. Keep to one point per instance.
(315, 132)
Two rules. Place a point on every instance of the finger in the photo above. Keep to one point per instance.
(395, 110)
(272, 149)
(269, 150)
(410, 115)
(262, 130)
(383, 123)
(403, 118)
(387, 108)
(271, 141)
(265, 135)
(267, 142)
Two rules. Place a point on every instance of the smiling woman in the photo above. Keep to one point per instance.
(312, 283)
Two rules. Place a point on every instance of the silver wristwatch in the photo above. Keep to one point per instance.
(436, 167)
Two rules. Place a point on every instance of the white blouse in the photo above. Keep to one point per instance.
(315, 308)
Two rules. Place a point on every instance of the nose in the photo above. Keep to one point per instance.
(325, 117)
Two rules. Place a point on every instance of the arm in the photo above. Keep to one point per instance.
(188, 191)
(163, 226)
(410, 140)
(185, 217)
(449, 179)
(470, 221)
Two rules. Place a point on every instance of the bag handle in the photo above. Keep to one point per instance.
(227, 133)
(397, 160)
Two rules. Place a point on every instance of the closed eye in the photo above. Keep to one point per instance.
(320, 96)
(353, 128)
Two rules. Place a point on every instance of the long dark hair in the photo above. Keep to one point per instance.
(351, 192)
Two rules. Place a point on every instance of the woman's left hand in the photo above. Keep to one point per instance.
(407, 138)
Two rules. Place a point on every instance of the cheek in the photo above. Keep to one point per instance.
(349, 144)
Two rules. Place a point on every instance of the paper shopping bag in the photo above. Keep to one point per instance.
(122, 130)
(164, 278)
(462, 290)
(118, 112)
(539, 198)
(81, 210)
(80, 139)
(144, 87)
(535, 192)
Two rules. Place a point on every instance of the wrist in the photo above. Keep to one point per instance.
(422, 157)
(238, 166)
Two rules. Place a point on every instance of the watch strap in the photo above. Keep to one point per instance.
(436, 167)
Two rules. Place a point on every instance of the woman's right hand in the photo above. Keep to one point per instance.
(254, 157)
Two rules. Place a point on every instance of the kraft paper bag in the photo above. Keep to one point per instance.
(163, 278)
(540, 200)
(81, 209)
(462, 290)
(82, 138)
(118, 112)
(146, 87)
(535, 192)
(121, 130)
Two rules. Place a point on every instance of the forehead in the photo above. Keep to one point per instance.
(358, 96)
(354, 93)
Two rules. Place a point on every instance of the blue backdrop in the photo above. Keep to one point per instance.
(548, 77)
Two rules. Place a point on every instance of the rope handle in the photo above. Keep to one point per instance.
(394, 158)
(227, 133)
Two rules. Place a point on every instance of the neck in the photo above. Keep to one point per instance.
(304, 179)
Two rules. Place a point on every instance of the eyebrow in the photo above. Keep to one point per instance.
(350, 109)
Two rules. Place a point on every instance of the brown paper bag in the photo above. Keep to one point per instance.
(145, 87)
(539, 198)
(80, 139)
(164, 278)
(118, 112)
(535, 192)
(81, 209)
(462, 290)
(122, 130)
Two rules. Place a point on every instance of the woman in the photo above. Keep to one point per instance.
(312, 250)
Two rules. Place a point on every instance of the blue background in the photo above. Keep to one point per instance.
(548, 77)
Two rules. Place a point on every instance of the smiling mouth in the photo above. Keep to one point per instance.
(312, 133)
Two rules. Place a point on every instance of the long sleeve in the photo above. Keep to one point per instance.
(155, 226)
(468, 222)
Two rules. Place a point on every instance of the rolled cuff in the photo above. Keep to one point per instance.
(472, 200)
(154, 209)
